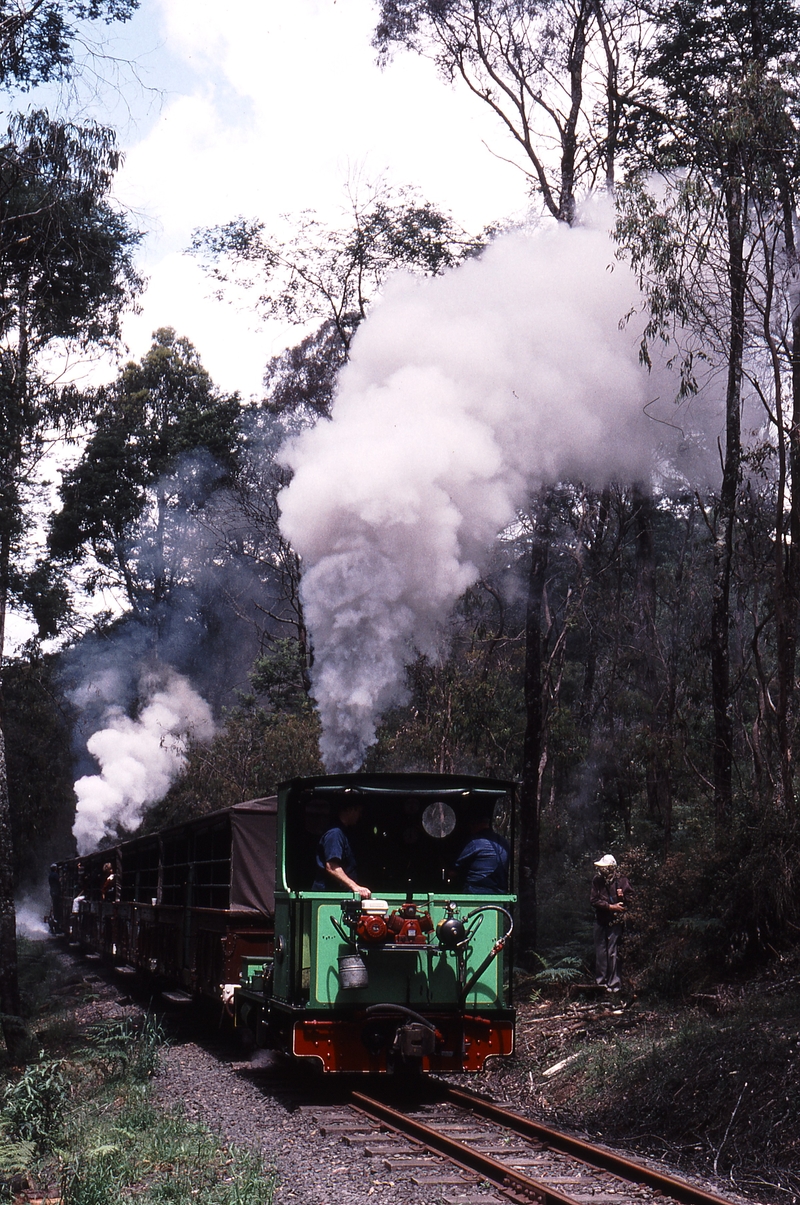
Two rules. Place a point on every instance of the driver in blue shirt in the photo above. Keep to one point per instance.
(336, 862)
(483, 862)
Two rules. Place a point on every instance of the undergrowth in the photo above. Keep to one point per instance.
(562, 967)
(719, 1094)
(82, 1128)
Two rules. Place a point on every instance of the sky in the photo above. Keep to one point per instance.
(265, 108)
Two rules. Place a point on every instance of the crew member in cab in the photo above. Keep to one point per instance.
(482, 865)
(336, 862)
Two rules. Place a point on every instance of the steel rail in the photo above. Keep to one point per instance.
(596, 1156)
(501, 1174)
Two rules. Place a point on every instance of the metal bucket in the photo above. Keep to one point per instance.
(352, 972)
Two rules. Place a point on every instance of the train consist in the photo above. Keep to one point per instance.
(410, 970)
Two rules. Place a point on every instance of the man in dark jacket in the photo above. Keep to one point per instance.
(483, 863)
(611, 895)
(336, 863)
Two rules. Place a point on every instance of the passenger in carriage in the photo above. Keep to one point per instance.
(54, 885)
(107, 889)
(336, 862)
(77, 899)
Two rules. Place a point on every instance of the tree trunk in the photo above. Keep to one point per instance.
(793, 566)
(657, 774)
(11, 1023)
(726, 517)
(533, 742)
(569, 131)
(787, 586)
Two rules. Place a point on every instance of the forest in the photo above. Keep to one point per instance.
(627, 648)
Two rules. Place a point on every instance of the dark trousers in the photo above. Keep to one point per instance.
(607, 943)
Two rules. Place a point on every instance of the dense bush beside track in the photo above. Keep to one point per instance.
(710, 1084)
(79, 1123)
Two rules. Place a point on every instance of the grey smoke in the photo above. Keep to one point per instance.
(158, 674)
(463, 393)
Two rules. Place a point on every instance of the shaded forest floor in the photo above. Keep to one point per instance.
(709, 1086)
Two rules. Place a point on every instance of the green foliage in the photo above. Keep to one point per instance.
(38, 39)
(251, 1183)
(712, 909)
(301, 380)
(721, 75)
(558, 970)
(520, 58)
(15, 1156)
(66, 273)
(93, 1178)
(86, 1126)
(281, 674)
(33, 1106)
(464, 713)
(328, 275)
(41, 976)
(727, 1086)
(38, 756)
(164, 437)
(168, 1159)
(124, 1049)
(65, 252)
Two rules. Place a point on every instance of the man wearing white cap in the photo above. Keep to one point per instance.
(611, 895)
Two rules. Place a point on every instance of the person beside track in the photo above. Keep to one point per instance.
(610, 897)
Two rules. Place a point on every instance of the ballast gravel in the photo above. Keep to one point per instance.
(265, 1106)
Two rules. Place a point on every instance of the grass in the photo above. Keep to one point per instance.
(79, 1123)
(157, 1158)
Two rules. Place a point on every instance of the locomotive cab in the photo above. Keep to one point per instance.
(418, 973)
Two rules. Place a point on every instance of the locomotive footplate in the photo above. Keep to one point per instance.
(387, 1039)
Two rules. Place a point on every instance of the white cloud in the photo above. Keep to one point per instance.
(273, 106)
(233, 345)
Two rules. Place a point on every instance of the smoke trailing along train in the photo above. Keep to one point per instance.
(225, 906)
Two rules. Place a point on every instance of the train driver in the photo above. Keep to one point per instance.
(336, 863)
(482, 864)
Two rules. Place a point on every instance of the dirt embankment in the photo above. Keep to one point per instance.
(709, 1086)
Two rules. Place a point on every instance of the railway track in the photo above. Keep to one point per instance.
(468, 1151)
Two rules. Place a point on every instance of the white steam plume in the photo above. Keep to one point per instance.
(30, 913)
(139, 759)
(463, 392)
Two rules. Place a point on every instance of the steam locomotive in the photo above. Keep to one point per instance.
(227, 906)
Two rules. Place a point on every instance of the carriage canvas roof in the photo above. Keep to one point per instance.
(253, 831)
(253, 838)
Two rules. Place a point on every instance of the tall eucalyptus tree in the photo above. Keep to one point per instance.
(65, 273)
(716, 117)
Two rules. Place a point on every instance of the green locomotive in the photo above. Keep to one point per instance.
(419, 973)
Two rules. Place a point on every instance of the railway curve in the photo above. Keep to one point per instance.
(443, 1144)
(470, 1150)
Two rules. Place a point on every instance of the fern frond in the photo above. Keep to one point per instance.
(15, 1157)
